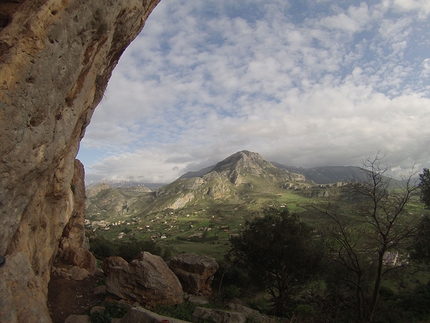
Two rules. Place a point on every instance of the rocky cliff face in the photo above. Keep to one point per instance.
(56, 58)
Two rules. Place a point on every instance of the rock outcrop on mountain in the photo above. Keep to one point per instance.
(245, 163)
(56, 58)
(231, 179)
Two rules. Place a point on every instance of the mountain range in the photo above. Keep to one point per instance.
(244, 178)
(318, 175)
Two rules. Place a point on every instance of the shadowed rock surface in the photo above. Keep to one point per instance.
(195, 272)
(56, 58)
(146, 280)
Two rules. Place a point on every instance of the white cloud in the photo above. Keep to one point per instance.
(426, 68)
(420, 6)
(304, 88)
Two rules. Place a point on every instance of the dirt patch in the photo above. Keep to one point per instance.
(68, 296)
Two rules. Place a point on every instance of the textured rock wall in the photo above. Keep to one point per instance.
(56, 57)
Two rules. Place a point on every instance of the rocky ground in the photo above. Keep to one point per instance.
(67, 296)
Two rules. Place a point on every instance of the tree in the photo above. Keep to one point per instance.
(425, 187)
(421, 245)
(362, 232)
(276, 249)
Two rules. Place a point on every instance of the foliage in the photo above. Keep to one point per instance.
(416, 302)
(421, 244)
(102, 248)
(115, 309)
(305, 313)
(230, 292)
(112, 310)
(182, 311)
(130, 249)
(425, 186)
(100, 317)
(276, 249)
(360, 236)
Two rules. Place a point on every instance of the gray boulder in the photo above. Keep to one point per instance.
(146, 280)
(218, 316)
(141, 315)
(194, 272)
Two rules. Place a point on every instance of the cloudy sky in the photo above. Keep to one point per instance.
(302, 82)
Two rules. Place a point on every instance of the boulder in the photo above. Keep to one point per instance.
(250, 314)
(97, 309)
(141, 315)
(77, 273)
(78, 256)
(218, 316)
(194, 272)
(78, 319)
(146, 280)
(100, 290)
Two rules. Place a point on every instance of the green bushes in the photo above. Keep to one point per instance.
(416, 302)
(305, 313)
(102, 248)
(267, 250)
(112, 310)
(182, 311)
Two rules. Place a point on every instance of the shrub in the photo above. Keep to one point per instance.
(305, 312)
(182, 311)
(112, 310)
(230, 292)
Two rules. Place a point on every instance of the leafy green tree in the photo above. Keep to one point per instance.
(277, 251)
(102, 247)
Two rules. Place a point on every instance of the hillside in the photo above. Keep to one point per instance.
(212, 203)
(236, 179)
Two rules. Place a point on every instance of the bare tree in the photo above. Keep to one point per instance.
(374, 223)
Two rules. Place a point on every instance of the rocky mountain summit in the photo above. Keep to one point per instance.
(243, 164)
(229, 179)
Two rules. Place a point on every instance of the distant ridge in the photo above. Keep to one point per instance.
(318, 175)
(243, 179)
(254, 163)
(328, 174)
(198, 173)
(126, 183)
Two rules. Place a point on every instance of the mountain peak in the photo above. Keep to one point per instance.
(241, 159)
(243, 167)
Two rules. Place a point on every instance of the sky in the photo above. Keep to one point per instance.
(304, 83)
